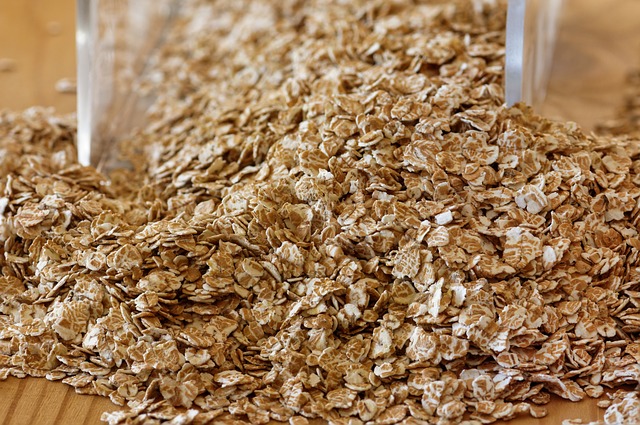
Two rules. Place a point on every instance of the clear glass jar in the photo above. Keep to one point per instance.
(116, 40)
(531, 33)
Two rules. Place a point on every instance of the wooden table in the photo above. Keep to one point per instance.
(599, 42)
(37, 36)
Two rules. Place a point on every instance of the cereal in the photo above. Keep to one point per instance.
(332, 215)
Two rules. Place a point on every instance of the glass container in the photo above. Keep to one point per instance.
(532, 27)
(116, 40)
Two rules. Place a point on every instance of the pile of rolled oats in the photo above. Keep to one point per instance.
(331, 216)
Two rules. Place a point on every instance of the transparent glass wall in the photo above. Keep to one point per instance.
(116, 40)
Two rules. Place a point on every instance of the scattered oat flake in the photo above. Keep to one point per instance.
(66, 86)
(7, 65)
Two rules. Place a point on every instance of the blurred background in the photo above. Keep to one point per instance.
(598, 44)
(37, 50)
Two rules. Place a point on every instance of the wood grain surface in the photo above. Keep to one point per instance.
(599, 42)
